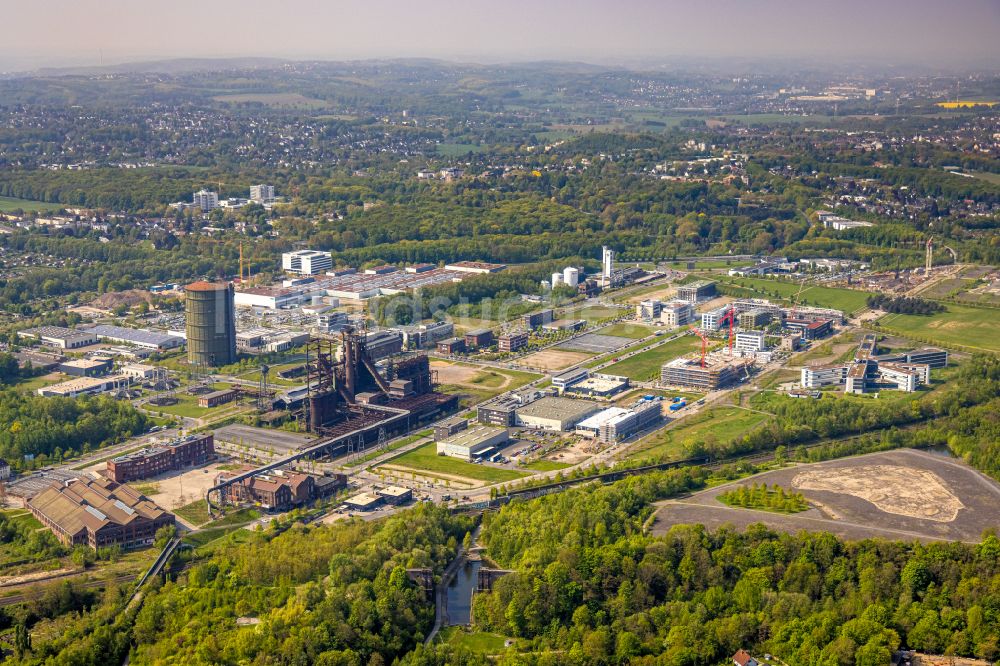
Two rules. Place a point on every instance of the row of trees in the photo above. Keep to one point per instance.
(904, 304)
(759, 496)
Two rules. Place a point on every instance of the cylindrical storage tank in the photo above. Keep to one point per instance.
(571, 276)
(211, 323)
(557, 279)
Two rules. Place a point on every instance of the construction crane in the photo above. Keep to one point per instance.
(704, 343)
(731, 316)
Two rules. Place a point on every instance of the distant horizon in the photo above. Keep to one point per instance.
(628, 33)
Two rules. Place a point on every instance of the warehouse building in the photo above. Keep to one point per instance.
(423, 336)
(473, 443)
(138, 337)
(383, 344)
(449, 427)
(85, 386)
(502, 411)
(216, 398)
(138, 371)
(696, 291)
(395, 495)
(719, 371)
(364, 502)
(85, 367)
(99, 513)
(591, 426)
(599, 386)
(555, 413)
(59, 337)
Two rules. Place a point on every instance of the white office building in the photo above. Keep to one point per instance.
(205, 200)
(676, 313)
(306, 262)
(750, 341)
(712, 320)
(820, 376)
(262, 193)
(649, 309)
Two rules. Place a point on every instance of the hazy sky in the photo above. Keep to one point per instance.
(81, 32)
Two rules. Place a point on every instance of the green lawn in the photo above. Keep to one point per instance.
(847, 300)
(645, 366)
(628, 330)
(594, 313)
(487, 383)
(10, 204)
(22, 517)
(721, 423)
(426, 458)
(398, 444)
(480, 642)
(546, 466)
(195, 513)
(958, 326)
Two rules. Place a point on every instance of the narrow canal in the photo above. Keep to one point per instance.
(460, 590)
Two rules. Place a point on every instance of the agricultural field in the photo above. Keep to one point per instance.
(645, 366)
(974, 329)
(10, 204)
(425, 458)
(719, 423)
(847, 300)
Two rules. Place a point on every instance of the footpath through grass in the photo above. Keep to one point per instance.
(425, 458)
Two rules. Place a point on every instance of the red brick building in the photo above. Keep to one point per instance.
(175, 454)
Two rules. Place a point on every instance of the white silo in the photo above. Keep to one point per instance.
(557, 279)
(571, 276)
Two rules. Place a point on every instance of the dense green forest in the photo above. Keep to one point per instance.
(52, 428)
(591, 588)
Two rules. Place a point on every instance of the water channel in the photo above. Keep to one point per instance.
(460, 590)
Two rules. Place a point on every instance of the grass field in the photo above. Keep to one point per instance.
(721, 423)
(973, 328)
(426, 458)
(476, 383)
(22, 517)
(10, 204)
(546, 466)
(645, 366)
(480, 642)
(628, 330)
(593, 313)
(398, 444)
(195, 513)
(848, 300)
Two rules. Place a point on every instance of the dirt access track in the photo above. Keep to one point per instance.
(901, 495)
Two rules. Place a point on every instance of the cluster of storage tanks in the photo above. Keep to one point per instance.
(570, 276)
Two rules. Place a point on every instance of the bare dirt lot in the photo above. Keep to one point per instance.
(449, 373)
(553, 359)
(897, 495)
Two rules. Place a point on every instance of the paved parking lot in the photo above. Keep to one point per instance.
(596, 343)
